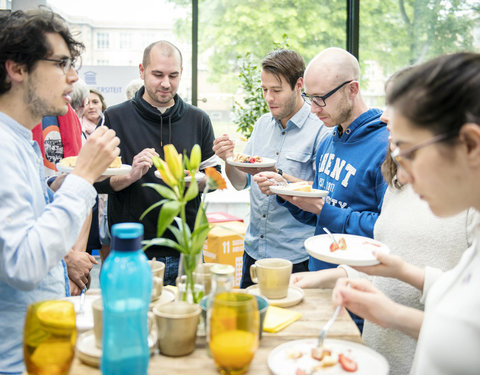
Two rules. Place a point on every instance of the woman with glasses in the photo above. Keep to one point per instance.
(435, 130)
(411, 232)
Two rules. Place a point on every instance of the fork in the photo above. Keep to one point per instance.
(331, 235)
(326, 327)
(277, 183)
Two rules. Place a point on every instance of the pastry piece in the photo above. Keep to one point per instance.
(71, 161)
(300, 186)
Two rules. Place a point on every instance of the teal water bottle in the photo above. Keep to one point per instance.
(126, 283)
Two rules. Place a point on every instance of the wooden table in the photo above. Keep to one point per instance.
(316, 309)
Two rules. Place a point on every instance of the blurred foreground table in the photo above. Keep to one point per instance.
(316, 308)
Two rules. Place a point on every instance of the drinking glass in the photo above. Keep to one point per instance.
(49, 337)
(234, 322)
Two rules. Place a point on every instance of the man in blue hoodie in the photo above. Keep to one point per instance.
(348, 161)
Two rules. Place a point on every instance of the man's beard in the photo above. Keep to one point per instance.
(344, 113)
(161, 102)
(38, 106)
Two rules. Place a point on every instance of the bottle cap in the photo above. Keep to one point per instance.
(127, 236)
(222, 269)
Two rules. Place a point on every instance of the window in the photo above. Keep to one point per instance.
(125, 40)
(227, 32)
(103, 40)
(398, 33)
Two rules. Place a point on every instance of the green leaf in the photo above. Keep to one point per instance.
(178, 234)
(166, 216)
(198, 238)
(192, 190)
(152, 207)
(201, 218)
(161, 242)
(164, 191)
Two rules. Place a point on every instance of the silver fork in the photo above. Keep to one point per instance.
(277, 183)
(331, 235)
(326, 327)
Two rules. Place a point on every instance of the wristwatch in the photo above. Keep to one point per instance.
(280, 172)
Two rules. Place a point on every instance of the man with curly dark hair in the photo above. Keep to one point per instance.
(37, 59)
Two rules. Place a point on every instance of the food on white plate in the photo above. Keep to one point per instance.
(71, 161)
(341, 245)
(319, 353)
(347, 363)
(324, 358)
(243, 158)
(294, 354)
(299, 186)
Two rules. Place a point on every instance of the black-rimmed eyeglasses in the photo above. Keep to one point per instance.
(320, 100)
(66, 63)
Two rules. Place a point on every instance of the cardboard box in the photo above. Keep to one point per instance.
(224, 245)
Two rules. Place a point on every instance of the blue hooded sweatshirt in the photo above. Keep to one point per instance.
(349, 168)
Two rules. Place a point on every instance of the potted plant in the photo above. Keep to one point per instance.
(176, 194)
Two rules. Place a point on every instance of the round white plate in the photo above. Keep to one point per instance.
(294, 296)
(315, 193)
(267, 162)
(89, 353)
(358, 252)
(369, 361)
(198, 176)
(124, 169)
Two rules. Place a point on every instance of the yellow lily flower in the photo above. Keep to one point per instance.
(166, 174)
(195, 157)
(174, 161)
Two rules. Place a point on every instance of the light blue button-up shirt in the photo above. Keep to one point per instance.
(37, 229)
(272, 231)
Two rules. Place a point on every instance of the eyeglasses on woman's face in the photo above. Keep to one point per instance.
(403, 158)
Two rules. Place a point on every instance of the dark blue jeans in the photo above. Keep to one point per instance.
(171, 269)
(248, 261)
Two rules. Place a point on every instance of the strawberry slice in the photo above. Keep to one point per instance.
(334, 247)
(252, 160)
(347, 364)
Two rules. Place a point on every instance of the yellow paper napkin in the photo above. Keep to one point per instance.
(278, 318)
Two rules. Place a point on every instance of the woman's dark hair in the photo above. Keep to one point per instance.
(441, 94)
(102, 99)
(286, 63)
(23, 39)
(389, 168)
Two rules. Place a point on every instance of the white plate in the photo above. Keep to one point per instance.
(369, 361)
(267, 162)
(124, 169)
(315, 193)
(294, 296)
(85, 319)
(198, 176)
(358, 252)
(91, 355)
